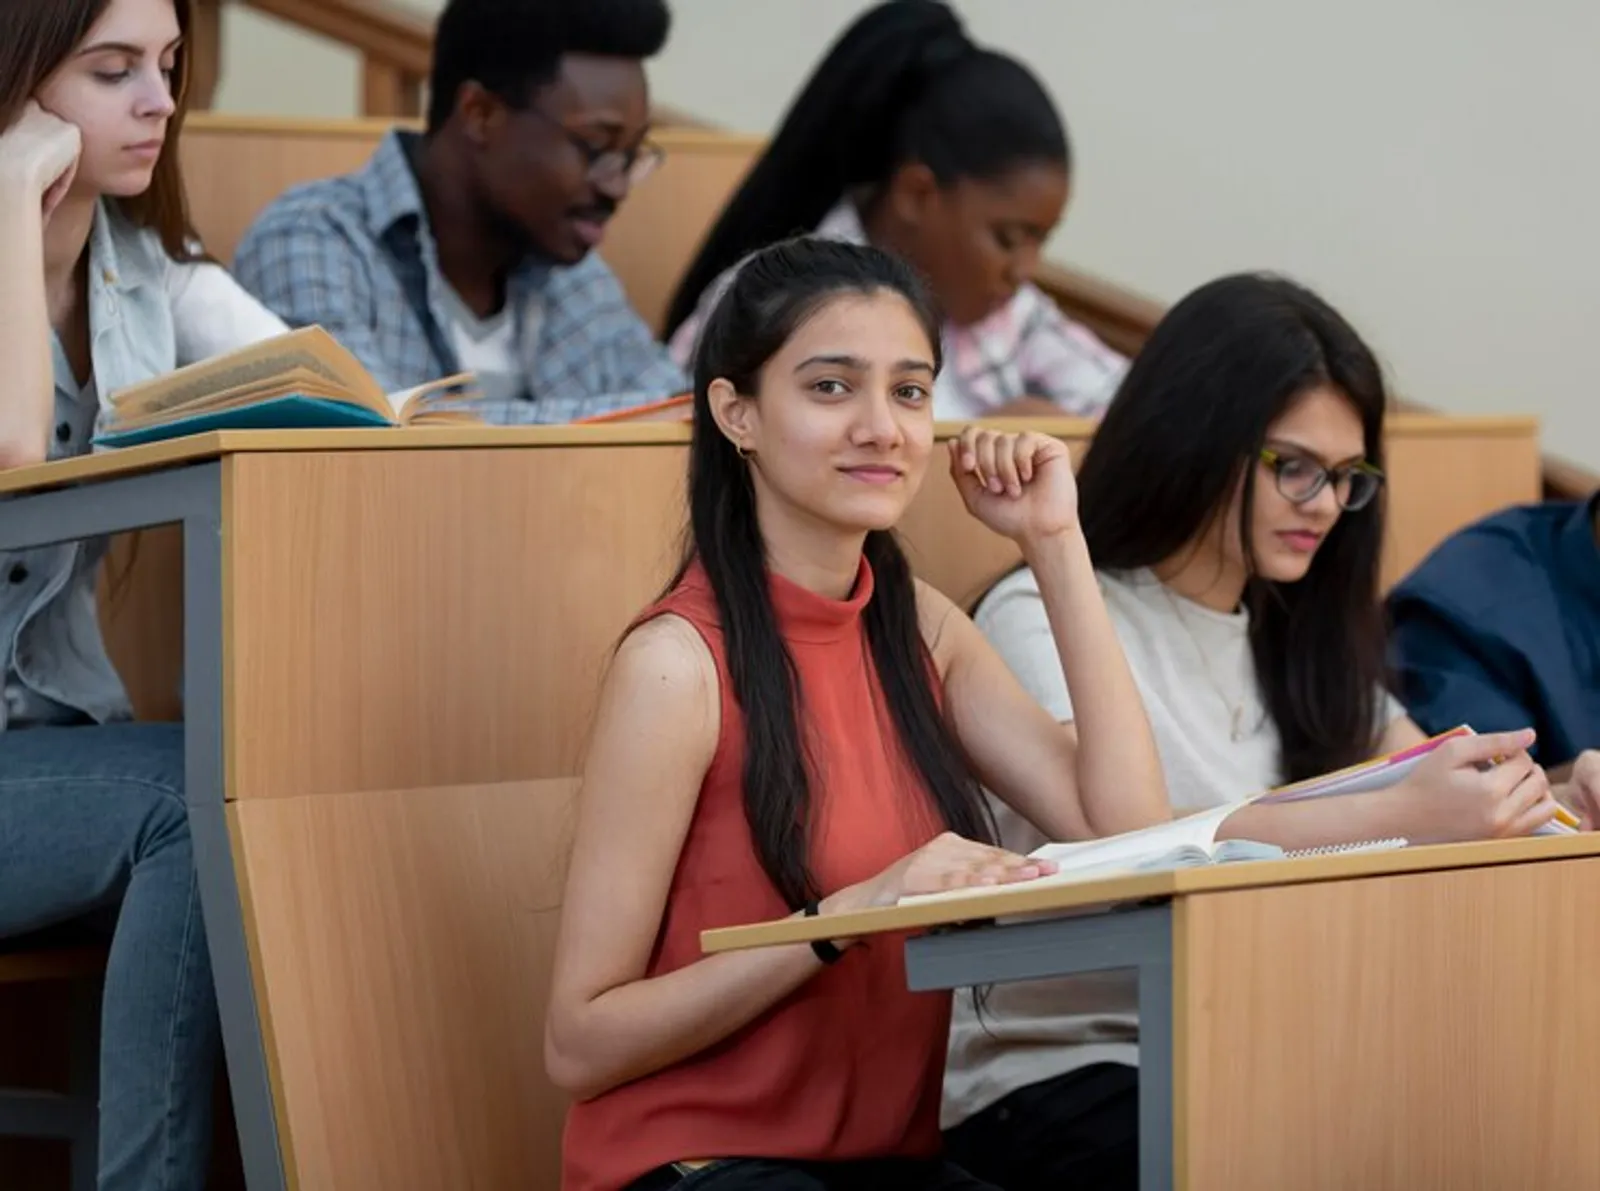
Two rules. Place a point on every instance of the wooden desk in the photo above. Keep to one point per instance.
(607, 501)
(382, 632)
(1392, 1020)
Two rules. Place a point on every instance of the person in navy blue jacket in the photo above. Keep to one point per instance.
(1499, 628)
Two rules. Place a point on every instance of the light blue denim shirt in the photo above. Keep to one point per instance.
(147, 315)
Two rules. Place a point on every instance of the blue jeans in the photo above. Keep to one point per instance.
(93, 819)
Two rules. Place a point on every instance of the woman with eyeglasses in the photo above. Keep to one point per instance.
(1232, 504)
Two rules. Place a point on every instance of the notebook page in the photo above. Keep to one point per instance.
(1197, 830)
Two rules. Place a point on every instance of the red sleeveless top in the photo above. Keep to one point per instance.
(850, 1064)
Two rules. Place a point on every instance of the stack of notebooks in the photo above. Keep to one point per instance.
(301, 380)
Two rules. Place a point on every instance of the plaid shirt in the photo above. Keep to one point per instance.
(1027, 348)
(355, 255)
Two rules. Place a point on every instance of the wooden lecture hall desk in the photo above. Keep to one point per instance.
(386, 646)
(1413, 1020)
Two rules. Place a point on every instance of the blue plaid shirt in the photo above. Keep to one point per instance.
(355, 255)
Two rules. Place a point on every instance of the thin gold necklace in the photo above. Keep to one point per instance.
(1235, 711)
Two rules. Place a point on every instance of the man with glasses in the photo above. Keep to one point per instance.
(1500, 628)
(470, 247)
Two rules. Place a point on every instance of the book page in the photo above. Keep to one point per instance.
(1192, 831)
(308, 351)
(446, 400)
(1182, 843)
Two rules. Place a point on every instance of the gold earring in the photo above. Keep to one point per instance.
(743, 451)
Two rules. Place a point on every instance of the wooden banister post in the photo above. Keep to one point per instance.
(389, 90)
(205, 53)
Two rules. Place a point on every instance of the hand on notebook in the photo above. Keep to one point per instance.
(1582, 790)
(1019, 485)
(1474, 787)
(949, 861)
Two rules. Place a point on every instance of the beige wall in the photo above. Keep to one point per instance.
(1427, 164)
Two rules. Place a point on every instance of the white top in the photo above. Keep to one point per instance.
(487, 347)
(1218, 746)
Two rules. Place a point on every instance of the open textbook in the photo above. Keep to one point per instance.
(303, 379)
(1189, 842)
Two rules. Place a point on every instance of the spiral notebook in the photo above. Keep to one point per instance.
(1374, 845)
(1385, 771)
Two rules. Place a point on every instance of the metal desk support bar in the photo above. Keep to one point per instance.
(1139, 938)
(192, 497)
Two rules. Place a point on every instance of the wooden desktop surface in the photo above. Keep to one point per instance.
(1048, 898)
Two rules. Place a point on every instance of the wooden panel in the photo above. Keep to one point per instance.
(203, 53)
(1416, 1032)
(1441, 482)
(610, 516)
(432, 618)
(141, 618)
(387, 90)
(402, 941)
(447, 615)
(235, 166)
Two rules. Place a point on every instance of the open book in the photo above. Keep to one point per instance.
(1181, 843)
(303, 379)
(1188, 842)
(1191, 841)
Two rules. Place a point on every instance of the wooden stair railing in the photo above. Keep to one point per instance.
(395, 44)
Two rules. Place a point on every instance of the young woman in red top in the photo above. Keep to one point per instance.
(799, 726)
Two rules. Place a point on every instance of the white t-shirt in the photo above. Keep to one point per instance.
(486, 347)
(1218, 746)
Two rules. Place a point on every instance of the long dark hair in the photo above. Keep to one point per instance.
(1190, 417)
(37, 38)
(902, 84)
(774, 292)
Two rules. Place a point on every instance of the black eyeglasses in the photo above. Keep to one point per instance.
(603, 165)
(1300, 479)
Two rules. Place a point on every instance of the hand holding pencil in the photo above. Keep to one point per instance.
(1475, 787)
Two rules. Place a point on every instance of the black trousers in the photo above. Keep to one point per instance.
(751, 1174)
(1077, 1131)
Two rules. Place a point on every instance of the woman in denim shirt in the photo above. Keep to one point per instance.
(103, 287)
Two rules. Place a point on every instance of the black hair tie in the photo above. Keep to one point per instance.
(823, 949)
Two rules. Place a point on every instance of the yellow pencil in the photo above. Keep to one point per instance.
(1563, 816)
